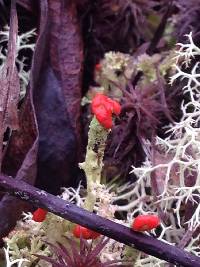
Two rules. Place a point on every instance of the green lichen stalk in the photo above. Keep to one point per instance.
(93, 164)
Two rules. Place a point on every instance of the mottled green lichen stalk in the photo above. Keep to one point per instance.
(24, 42)
(93, 164)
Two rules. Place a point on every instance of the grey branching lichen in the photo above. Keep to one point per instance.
(24, 41)
(176, 168)
(11, 263)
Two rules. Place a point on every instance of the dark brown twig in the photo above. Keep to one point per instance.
(120, 233)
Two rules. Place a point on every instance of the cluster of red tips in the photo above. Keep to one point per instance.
(103, 107)
(85, 233)
(145, 223)
(39, 215)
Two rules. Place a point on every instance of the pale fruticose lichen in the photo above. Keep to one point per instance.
(9, 262)
(24, 42)
(25, 240)
(115, 67)
(175, 168)
(29, 237)
(116, 70)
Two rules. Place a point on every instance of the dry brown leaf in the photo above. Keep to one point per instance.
(9, 83)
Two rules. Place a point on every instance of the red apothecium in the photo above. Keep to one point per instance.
(85, 233)
(103, 107)
(98, 67)
(145, 222)
(39, 215)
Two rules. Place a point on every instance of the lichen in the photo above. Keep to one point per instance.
(23, 42)
(93, 164)
(175, 168)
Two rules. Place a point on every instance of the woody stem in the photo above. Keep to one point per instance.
(120, 233)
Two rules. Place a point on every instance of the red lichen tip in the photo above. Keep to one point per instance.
(39, 215)
(85, 233)
(98, 67)
(103, 107)
(145, 223)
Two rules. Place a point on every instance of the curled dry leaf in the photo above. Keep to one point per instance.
(9, 83)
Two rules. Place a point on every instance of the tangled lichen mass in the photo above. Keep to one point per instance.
(99, 133)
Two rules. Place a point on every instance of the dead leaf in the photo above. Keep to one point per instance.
(9, 83)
